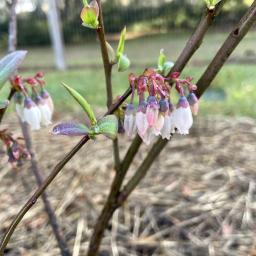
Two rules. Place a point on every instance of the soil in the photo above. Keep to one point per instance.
(199, 197)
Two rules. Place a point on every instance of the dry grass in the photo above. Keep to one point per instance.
(199, 198)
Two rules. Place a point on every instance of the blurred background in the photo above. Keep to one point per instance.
(152, 25)
(199, 198)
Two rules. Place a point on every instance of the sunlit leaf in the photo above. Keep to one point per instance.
(108, 126)
(9, 64)
(83, 102)
(70, 129)
(120, 48)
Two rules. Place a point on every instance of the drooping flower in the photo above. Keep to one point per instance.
(47, 97)
(31, 114)
(193, 102)
(141, 118)
(152, 111)
(165, 112)
(182, 116)
(129, 121)
(46, 114)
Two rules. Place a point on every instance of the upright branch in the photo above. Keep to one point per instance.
(234, 38)
(105, 57)
(197, 37)
(108, 76)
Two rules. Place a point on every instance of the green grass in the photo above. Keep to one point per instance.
(236, 82)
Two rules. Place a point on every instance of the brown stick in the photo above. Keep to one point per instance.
(40, 190)
(226, 49)
(47, 205)
(108, 77)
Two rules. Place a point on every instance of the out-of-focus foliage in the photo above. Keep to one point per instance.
(157, 15)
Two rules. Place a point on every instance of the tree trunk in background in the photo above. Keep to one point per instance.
(12, 39)
(56, 34)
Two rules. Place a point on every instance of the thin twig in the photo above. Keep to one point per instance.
(39, 180)
(108, 77)
(226, 49)
(3, 111)
(40, 190)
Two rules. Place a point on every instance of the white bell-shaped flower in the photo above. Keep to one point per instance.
(159, 124)
(167, 127)
(46, 113)
(182, 116)
(129, 121)
(31, 114)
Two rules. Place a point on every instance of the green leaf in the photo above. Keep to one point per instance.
(85, 2)
(9, 64)
(161, 60)
(89, 18)
(123, 63)
(111, 53)
(83, 103)
(4, 104)
(108, 126)
(120, 48)
(211, 3)
(71, 129)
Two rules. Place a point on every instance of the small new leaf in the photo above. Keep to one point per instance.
(120, 48)
(123, 63)
(9, 64)
(83, 103)
(161, 60)
(108, 126)
(71, 129)
(111, 53)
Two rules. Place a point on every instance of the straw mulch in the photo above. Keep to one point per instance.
(199, 197)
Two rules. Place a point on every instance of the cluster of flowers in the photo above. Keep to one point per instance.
(16, 150)
(34, 104)
(157, 115)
